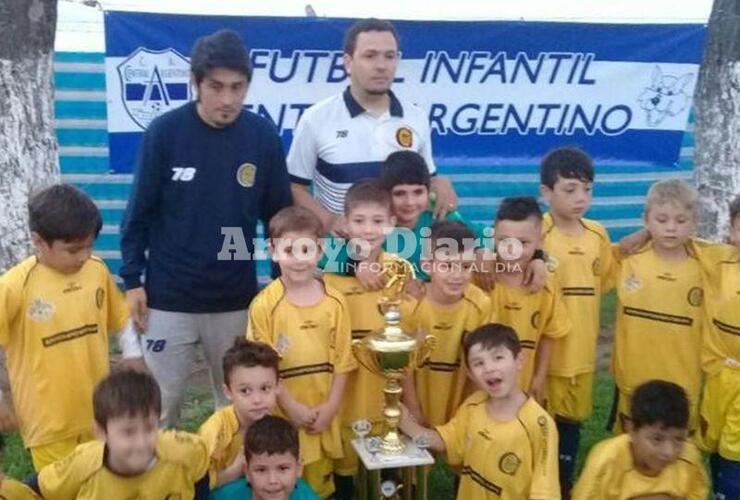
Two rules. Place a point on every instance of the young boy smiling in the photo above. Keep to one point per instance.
(505, 442)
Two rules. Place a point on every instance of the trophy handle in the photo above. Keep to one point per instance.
(365, 357)
(426, 345)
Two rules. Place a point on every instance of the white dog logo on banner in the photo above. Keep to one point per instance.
(152, 82)
(666, 96)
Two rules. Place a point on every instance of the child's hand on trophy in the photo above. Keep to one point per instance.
(371, 277)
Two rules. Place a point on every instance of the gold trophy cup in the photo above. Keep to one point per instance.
(390, 352)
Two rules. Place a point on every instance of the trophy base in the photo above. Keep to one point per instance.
(409, 456)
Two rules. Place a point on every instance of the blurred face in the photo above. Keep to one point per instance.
(408, 202)
(221, 94)
(670, 225)
(253, 391)
(370, 222)
(450, 271)
(654, 447)
(494, 370)
(569, 198)
(66, 257)
(273, 477)
(735, 232)
(131, 442)
(516, 242)
(297, 254)
(372, 66)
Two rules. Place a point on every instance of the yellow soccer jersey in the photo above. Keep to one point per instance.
(531, 315)
(181, 461)
(10, 489)
(363, 398)
(512, 460)
(610, 474)
(658, 331)
(48, 321)
(314, 344)
(440, 382)
(223, 440)
(720, 266)
(582, 265)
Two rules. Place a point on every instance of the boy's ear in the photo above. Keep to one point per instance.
(99, 431)
(37, 240)
(300, 467)
(227, 391)
(519, 360)
(546, 192)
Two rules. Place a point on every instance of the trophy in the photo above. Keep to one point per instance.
(390, 352)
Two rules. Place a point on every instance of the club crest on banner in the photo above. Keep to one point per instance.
(153, 82)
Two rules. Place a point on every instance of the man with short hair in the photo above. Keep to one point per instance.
(207, 172)
(346, 137)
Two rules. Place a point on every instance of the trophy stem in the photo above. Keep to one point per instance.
(391, 443)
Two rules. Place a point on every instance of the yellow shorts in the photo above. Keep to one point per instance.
(49, 453)
(623, 413)
(720, 414)
(347, 466)
(570, 398)
(320, 476)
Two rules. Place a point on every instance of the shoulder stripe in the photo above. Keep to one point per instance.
(28, 273)
(299, 371)
(578, 291)
(528, 344)
(278, 301)
(726, 328)
(482, 481)
(440, 366)
(657, 316)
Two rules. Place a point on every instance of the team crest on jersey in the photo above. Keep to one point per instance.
(552, 263)
(245, 174)
(632, 283)
(696, 296)
(405, 137)
(283, 344)
(99, 297)
(509, 463)
(596, 266)
(153, 82)
(40, 310)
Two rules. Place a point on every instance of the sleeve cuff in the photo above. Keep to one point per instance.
(131, 282)
(300, 180)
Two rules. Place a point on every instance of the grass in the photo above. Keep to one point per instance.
(16, 461)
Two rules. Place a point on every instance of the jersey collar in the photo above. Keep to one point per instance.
(355, 108)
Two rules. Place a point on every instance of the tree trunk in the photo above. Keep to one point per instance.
(28, 147)
(717, 105)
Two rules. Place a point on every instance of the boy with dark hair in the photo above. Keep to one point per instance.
(539, 318)
(66, 300)
(272, 465)
(450, 308)
(505, 442)
(654, 459)
(307, 322)
(132, 458)
(720, 356)
(251, 384)
(580, 257)
(207, 172)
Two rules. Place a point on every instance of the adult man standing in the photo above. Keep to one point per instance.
(207, 172)
(344, 138)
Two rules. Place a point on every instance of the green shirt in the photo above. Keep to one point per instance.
(239, 490)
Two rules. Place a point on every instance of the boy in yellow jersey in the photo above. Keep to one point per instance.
(272, 465)
(132, 458)
(538, 318)
(68, 303)
(505, 442)
(658, 330)
(367, 209)
(653, 460)
(580, 256)
(450, 308)
(251, 384)
(720, 356)
(307, 322)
